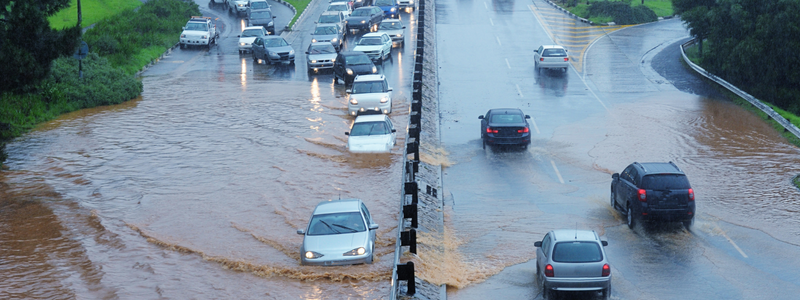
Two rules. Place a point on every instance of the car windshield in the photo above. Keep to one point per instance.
(259, 5)
(357, 60)
(328, 19)
(384, 2)
(322, 30)
(361, 12)
(369, 128)
(391, 25)
(321, 49)
(577, 252)
(336, 223)
(666, 182)
(252, 32)
(369, 41)
(337, 7)
(368, 87)
(504, 118)
(275, 42)
(260, 15)
(196, 26)
(554, 53)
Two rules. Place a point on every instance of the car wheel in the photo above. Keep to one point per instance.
(613, 204)
(607, 293)
(631, 218)
(335, 78)
(483, 141)
(546, 293)
(688, 223)
(255, 58)
(371, 256)
(565, 70)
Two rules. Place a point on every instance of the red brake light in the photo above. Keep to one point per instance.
(524, 130)
(691, 195)
(642, 195)
(606, 270)
(541, 58)
(566, 58)
(548, 271)
(490, 130)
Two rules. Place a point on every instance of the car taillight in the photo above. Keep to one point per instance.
(548, 271)
(566, 58)
(490, 130)
(642, 195)
(606, 270)
(691, 195)
(523, 130)
(541, 58)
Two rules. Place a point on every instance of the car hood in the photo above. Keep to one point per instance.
(194, 32)
(257, 22)
(280, 49)
(364, 48)
(322, 56)
(324, 37)
(335, 242)
(356, 19)
(361, 69)
(370, 143)
(392, 32)
(248, 40)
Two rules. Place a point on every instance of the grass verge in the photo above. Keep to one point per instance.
(662, 8)
(92, 11)
(300, 6)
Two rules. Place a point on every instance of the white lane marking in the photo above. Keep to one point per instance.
(519, 91)
(732, 243)
(557, 172)
(485, 5)
(490, 21)
(534, 125)
(498, 40)
(508, 64)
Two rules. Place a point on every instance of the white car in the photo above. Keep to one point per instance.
(237, 7)
(371, 134)
(248, 36)
(340, 232)
(369, 93)
(376, 45)
(550, 57)
(342, 7)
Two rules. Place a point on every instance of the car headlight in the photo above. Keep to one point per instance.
(314, 40)
(333, 60)
(392, 10)
(384, 99)
(334, 40)
(271, 24)
(273, 54)
(242, 44)
(353, 101)
(350, 71)
(204, 37)
(312, 255)
(345, 21)
(241, 5)
(183, 36)
(356, 251)
(313, 61)
(363, 21)
(374, 69)
(399, 35)
(291, 52)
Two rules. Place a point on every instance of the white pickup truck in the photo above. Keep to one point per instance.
(199, 31)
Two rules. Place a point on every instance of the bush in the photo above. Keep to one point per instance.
(621, 12)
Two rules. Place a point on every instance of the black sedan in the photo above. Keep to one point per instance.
(505, 126)
(364, 18)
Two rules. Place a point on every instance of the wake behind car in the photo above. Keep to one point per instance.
(340, 232)
(199, 31)
(262, 17)
(653, 191)
(369, 93)
(371, 134)
(550, 57)
(505, 126)
(572, 260)
(330, 33)
(376, 45)
(248, 36)
(320, 56)
(350, 64)
(273, 49)
(364, 18)
(394, 28)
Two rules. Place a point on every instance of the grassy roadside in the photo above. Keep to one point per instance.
(92, 11)
(300, 6)
(694, 56)
(662, 8)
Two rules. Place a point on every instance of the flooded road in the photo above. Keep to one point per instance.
(197, 188)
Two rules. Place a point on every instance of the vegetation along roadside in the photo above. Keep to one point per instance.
(619, 12)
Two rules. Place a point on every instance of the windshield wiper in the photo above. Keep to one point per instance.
(345, 227)
(329, 226)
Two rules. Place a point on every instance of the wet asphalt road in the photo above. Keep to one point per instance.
(626, 98)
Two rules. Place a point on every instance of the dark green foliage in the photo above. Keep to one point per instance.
(622, 12)
(28, 44)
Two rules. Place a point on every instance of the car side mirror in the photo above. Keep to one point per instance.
(535, 244)
(394, 130)
(480, 117)
(615, 176)
(527, 116)
(184, 28)
(605, 243)
(301, 232)
(274, 17)
(537, 50)
(389, 90)
(306, 52)
(238, 36)
(348, 91)
(373, 226)
(347, 133)
(404, 27)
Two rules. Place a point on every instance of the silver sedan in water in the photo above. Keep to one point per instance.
(341, 232)
(572, 260)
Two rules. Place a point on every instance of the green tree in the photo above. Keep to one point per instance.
(697, 15)
(27, 43)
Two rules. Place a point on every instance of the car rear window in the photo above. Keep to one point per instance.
(665, 182)
(506, 119)
(577, 252)
(554, 53)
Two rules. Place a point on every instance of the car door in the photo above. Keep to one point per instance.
(387, 43)
(542, 254)
(258, 48)
(628, 189)
(337, 66)
(485, 123)
(392, 130)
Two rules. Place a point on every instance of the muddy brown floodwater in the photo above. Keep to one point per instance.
(193, 191)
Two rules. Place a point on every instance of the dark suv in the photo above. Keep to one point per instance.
(653, 191)
(348, 64)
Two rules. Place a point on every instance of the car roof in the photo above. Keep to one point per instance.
(390, 21)
(371, 118)
(273, 37)
(363, 8)
(253, 27)
(659, 168)
(338, 206)
(369, 77)
(561, 235)
(373, 34)
(338, 3)
(320, 43)
(552, 46)
(505, 111)
(351, 53)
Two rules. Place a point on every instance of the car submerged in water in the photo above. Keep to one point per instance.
(340, 232)
(371, 134)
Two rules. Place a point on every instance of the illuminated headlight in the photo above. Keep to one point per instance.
(384, 99)
(399, 35)
(334, 40)
(353, 101)
(350, 71)
(363, 21)
(291, 52)
(242, 44)
(374, 69)
(313, 61)
(241, 5)
(312, 255)
(392, 10)
(313, 40)
(345, 21)
(354, 252)
(333, 60)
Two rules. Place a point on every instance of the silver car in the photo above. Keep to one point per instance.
(572, 260)
(330, 33)
(341, 232)
(371, 134)
(369, 93)
(550, 57)
(320, 56)
(394, 28)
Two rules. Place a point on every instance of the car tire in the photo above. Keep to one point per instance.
(546, 292)
(335, 78)
(255, 59)
(483, 141)
(630, 218)
(613, 204)
(371, 256)
(606, 293)
(688, 224)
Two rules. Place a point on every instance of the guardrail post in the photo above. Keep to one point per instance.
(406, 272)
(410, 212)
(409, 238)
(410, 188)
